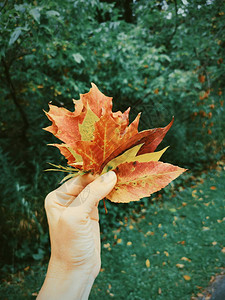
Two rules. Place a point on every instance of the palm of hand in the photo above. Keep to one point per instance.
(73, 225)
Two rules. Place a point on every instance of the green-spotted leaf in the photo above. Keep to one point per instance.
(136, 180)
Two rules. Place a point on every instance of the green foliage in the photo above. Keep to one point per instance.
(23, 224)
(163, 58)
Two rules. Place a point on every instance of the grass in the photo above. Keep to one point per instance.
(169, 250)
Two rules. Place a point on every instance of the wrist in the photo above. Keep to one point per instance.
(66, 281)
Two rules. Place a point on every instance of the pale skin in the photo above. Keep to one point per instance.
(72, 212)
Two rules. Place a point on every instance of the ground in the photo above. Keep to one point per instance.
(170, 249)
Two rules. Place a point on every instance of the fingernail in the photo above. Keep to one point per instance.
(108, 177)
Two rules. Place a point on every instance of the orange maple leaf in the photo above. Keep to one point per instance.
(95, 140)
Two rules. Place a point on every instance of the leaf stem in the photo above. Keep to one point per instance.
(106, 211)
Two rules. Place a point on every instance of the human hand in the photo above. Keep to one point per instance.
(75, 238)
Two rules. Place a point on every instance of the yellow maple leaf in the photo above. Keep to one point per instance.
(88, 125)
(130, 156)
(153, 156)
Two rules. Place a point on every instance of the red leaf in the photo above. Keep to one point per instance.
(151, 137)
(154, 139)
(136, 180)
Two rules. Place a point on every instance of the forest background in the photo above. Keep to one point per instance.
(161, 58)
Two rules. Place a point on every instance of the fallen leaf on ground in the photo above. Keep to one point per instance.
(187, 277)
(204, 228)
(186, 259)
(147, 262)
(180, 266)
(213, 188)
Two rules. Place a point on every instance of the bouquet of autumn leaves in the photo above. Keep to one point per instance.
(97, 140)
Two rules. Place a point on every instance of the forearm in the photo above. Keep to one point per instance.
(62, 282)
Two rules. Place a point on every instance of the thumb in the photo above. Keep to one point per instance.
(97, 190)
